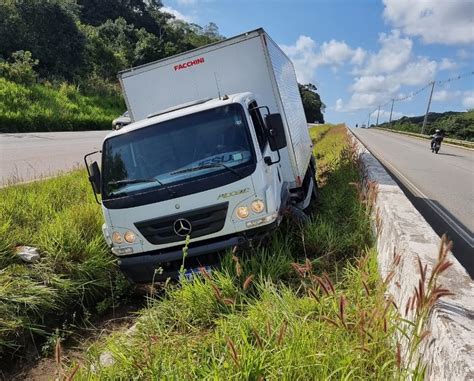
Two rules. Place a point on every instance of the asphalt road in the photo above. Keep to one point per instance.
(28, 156)
(440, 186)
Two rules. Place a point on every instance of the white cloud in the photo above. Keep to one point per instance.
(372, 90)
(387, 70)
(468, 100)
(393, 55)
(447, 64)
(435, 21)
(384, 116)
(365, 100)
(177, 14)
(339, 105)
(374, 84)
(418, 72)
(359, 56)
(441, 96)
(307, 57)
(335, 52)
(445, 95)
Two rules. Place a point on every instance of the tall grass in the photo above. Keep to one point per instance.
(43, 107)
(59, 216)
(308, 306)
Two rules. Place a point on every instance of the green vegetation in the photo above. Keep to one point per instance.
(75, 275)
(312, 103)
(61, 75)
(94, 39)
(309, 305)
(456, 125)
(46, 108)
(64, 72)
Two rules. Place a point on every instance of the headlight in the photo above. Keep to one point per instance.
(117, 237)
(129, 236)
(242, 212)
(258, 206)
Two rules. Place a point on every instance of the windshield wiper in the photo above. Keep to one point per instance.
(206, 166)
(138, 181)
(133, 181)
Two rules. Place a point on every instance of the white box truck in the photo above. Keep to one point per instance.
(218, 150)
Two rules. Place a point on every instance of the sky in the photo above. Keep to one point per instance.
(361, 53)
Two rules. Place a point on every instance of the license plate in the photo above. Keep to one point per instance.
(191, 273)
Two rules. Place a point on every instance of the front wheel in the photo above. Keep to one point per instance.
(297, 215)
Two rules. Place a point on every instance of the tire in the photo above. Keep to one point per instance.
(314, 193)
(297, 215)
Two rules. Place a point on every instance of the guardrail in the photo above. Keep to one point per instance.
(456, 142)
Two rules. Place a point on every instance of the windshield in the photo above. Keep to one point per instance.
(176, 150)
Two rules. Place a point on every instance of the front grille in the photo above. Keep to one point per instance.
(204, 221)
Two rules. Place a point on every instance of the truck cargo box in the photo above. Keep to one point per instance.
(251, 62)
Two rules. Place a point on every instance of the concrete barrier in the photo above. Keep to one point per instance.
(448, 350)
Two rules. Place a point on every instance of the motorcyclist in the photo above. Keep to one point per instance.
(437, 138)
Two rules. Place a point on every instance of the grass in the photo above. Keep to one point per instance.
(310, 305)
(75, 274)
(42, 107)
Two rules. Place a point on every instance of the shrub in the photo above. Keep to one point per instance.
(20, 68)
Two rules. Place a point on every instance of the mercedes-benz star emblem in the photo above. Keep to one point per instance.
(182, 227)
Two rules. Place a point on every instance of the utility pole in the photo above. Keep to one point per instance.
(428, 108)
(378, 113)
(368, 122)
(391, 110)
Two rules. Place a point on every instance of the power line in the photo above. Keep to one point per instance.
(415, 93)
(455, 78)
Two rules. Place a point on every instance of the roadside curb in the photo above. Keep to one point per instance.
(447, 350)
(425, 138)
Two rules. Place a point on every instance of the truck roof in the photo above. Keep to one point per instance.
(180, 110)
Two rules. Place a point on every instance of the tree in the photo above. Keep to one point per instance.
(212, 30)
(148, 48)
(81, 39)
(312, 104)
(100, 58)
(48, 30)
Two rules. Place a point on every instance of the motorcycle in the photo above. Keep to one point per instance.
(435, 146)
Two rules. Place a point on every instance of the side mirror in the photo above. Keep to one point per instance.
(275, 131)
(94, 177)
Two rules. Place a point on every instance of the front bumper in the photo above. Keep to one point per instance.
(141, 268)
